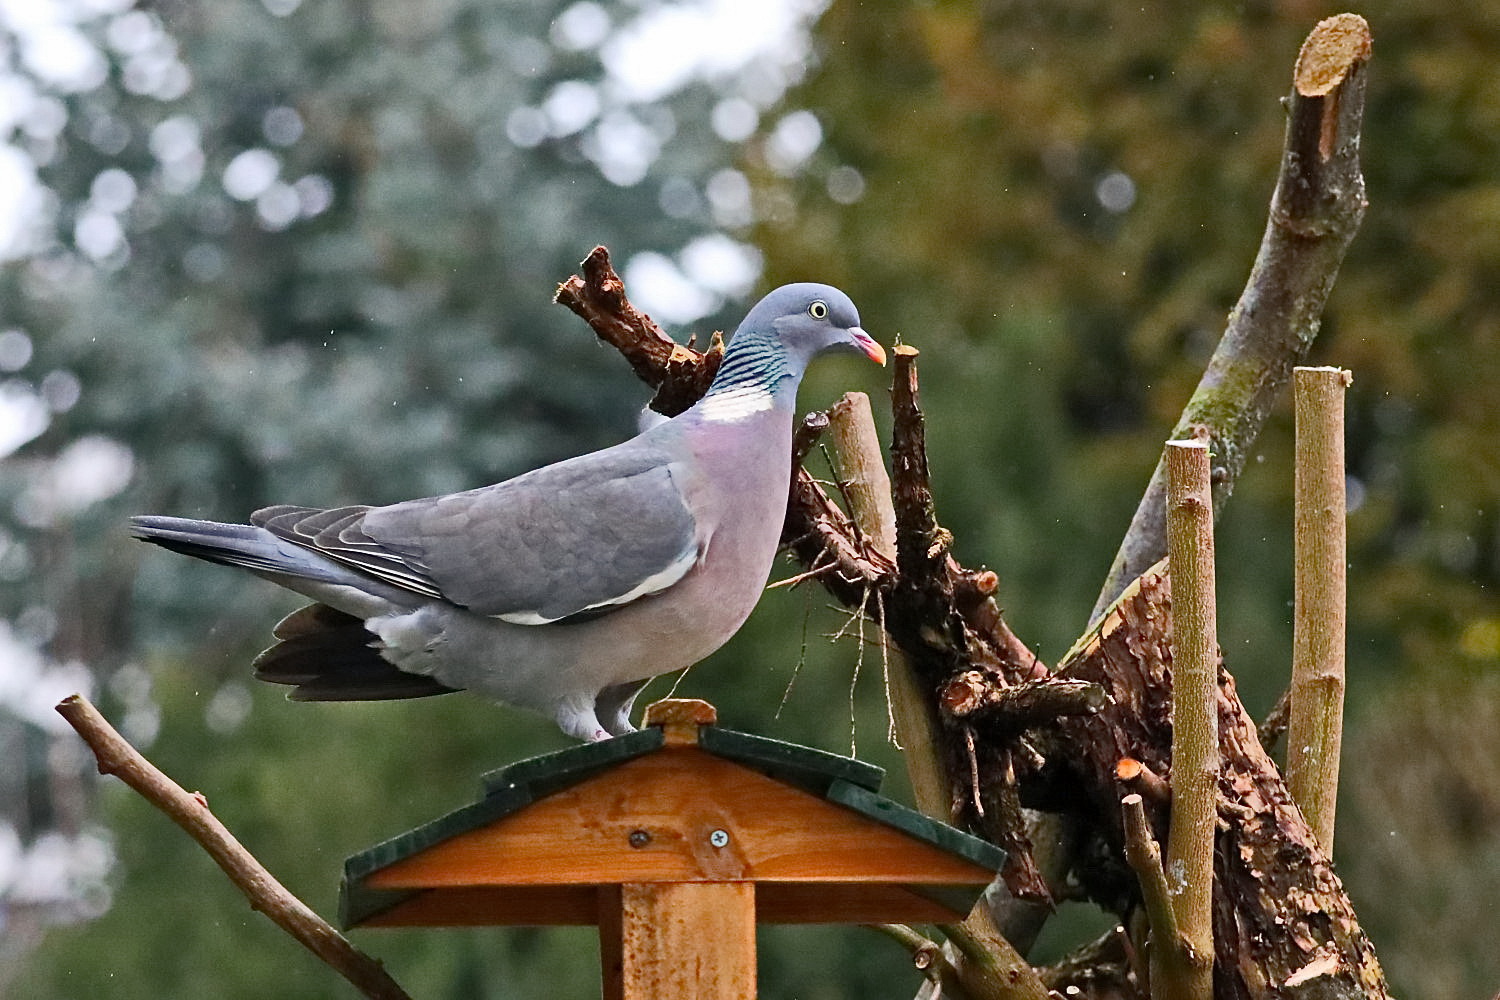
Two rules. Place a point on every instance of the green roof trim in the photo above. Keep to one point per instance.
(358, 903)
(908, 820)
(552, 772)
(807, 768)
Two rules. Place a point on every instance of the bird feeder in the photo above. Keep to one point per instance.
(675, 841)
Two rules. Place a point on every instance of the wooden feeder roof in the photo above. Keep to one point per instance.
(552, 838)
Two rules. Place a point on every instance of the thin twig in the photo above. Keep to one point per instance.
(1144, 858)
(859, 662)
(786, 692)
(190, 811)
(926, 954)
(973, 755)
(806, 435)
(792, 581)
(891, 735)
(677, 681)
(1273, 726)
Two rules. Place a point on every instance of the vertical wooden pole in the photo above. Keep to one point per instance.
(1184, 969)
(1316, 726)
(861, 469)
(687, 940)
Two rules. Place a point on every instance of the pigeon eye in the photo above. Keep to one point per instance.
(818, 310)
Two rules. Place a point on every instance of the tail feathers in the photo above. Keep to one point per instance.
(326, 655)
(243, 545)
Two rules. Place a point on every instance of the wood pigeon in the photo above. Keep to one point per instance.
(565, 589)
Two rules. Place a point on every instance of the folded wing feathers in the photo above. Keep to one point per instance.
(337, 533)
(428, 547)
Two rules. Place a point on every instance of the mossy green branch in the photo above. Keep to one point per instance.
(1316, 210)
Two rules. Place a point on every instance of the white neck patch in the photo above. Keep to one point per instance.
(732, 405)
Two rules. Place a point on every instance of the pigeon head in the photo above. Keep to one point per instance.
(788, 328)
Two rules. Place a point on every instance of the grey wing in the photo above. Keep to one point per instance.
(585, 535)
(338, 532)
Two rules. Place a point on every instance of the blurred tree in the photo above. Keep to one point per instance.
(288, 252)
(1428, 805)
(1059, 204)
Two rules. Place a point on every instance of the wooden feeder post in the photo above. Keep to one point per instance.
(679, 939)
(675, 841)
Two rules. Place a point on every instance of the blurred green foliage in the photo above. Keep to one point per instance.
(387, 335)
(1057, 203)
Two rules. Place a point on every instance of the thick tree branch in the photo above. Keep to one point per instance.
(1315, 212)
(966, 967)
(927, 957)
(980, 963)
(1012, 710)
(861, 470)
(1143, 781)
(921, 543)
(988, 967)
(948, 615)
(190, 811)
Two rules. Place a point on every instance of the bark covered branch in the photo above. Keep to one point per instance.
(862, 478)
(1278, 907)
(679, 374)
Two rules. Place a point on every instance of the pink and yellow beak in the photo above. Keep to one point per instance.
(867, 344)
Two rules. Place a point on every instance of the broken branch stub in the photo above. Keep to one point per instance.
(679, 374)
